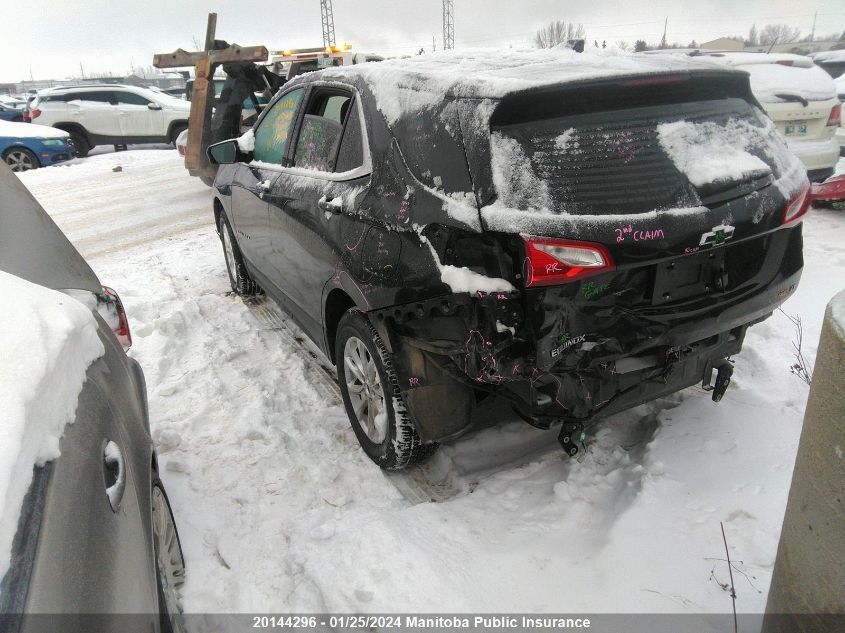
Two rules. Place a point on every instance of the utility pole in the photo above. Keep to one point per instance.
(81, 70)
(433, 44)
(210, 31)
(663, 42)
(327, 17)
(448, 25)
(813, 32)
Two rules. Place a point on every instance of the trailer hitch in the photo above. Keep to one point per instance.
(724, 370)
(571, 436)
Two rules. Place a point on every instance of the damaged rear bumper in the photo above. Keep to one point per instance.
(575, 353)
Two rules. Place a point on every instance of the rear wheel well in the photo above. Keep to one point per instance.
(175, 128)
(73, 127)
(218, 212)
(337, 304)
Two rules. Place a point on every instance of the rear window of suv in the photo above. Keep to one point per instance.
(98, 96)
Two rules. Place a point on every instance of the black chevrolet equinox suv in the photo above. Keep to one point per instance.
(574, 233)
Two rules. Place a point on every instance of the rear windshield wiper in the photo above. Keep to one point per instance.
(786, 96)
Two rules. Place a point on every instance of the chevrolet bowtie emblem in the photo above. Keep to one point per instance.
(718, 235)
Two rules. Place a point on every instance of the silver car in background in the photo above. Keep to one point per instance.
(96, 535)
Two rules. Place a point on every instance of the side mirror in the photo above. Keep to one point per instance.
(153, 106)
(225, 152)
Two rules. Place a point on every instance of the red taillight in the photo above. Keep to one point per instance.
(835, 118)
(116, 318)
(34, 114)
(25, 116)
(785, 62)
(551, 262)
(797, 206)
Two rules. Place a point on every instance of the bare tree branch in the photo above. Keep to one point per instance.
(558, 32)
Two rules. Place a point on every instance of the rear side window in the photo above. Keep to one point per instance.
(272, 134)
(104, 96)
(330, 137)
(130, 98)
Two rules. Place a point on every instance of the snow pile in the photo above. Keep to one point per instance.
(708, 153)
(49, 340)
(405, 86)
(30, 130)
(461, 278)
(500, 217)
(246, 141)
(769, 80)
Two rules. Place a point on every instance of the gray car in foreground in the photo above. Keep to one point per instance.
(96, 535)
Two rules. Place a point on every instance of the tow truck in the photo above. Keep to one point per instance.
(229, 77)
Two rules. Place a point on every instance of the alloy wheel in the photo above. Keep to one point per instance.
(228, 250)
(171, 569)
(19, 161)
(365, 389)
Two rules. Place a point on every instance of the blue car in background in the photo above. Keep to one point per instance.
(24, 146)
(8, 113)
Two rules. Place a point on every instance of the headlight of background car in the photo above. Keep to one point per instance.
(53, 142)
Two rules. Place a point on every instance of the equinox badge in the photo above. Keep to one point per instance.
(718, 235)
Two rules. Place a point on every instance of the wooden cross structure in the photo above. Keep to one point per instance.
(202, 96)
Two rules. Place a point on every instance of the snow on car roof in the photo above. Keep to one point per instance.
(9, 129)
(770, 80)
(829, 56)
(746, 58)
(49, 340)
(404, 86)
(776, 73)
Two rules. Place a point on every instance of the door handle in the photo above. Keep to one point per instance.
(332, 205)
(114, 474)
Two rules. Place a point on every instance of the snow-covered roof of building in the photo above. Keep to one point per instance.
(411, 84)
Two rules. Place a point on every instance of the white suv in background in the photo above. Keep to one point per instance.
(110, 114)
(800, 98)
(797, 95)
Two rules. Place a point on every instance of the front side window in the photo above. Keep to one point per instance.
(330, 137)
(272, 134)
(130, 98)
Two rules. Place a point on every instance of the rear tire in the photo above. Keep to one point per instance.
(20, 159)
(372, 397)
(239, 278)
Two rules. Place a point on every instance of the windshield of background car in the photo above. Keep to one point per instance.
(272, 134)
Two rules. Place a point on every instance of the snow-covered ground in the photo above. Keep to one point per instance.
(279, 510)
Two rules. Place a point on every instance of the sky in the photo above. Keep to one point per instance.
(54, 39)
